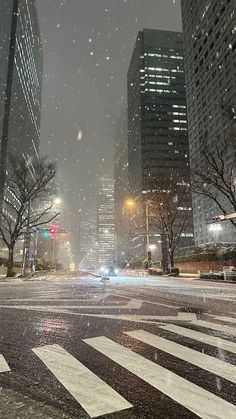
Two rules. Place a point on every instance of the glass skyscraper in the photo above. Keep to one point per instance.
(157, 115)
(21, 62)
(106, 221)
(209, 34)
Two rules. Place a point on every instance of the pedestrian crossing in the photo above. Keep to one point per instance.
(4, 367)
(206, 362)
(219, 343)
(94, 395)
(194, 398)
(98, 398)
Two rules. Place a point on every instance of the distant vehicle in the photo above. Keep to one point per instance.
(109, 270)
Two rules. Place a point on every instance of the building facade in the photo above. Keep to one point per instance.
(121, 188)
(157, 116)
(87, 239)
(106, 221)
(209, 35)
(21, 62)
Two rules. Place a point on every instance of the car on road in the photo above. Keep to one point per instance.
(109, 270)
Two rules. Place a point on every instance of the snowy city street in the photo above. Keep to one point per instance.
(70, 350)
(117, 209)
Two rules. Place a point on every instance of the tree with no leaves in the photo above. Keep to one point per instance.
(215, 177)
(170, 206)
(27, 182)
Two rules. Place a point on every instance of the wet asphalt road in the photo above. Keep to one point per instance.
(156, 380)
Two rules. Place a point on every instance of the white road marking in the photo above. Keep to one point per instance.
(199, 401)
(202, 337)
(206, 362)
(4, 367)
(94, 395)
(215, 326)
(224, 318)
(35, 299)
(126, 295)
(131, 305)
(139, 318)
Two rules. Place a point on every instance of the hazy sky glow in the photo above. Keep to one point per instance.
(87, 49)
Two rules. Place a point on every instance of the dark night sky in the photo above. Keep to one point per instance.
(87, 48)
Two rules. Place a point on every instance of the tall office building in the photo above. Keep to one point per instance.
(157, 114)
(157, 117)
(87, 238)
(106, 221)
(21, 62)
(121, 186)
(209, 34)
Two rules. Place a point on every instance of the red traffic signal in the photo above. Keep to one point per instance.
(52, 230)
(219, 218)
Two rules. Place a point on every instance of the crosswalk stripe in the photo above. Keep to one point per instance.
(93, 394)
(203, 403)
(199, 359)
(4, 367)
(202, 337)
(215, 326)
(224, 318)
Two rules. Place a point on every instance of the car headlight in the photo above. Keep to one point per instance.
(102, 269)
(106, 271)
(116, 271)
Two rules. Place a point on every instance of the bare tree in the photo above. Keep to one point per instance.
(170, 203)
(27, 182)
(215, 177)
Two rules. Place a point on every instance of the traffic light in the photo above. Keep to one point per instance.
(219, 218)
(52, 230)
(45, 233)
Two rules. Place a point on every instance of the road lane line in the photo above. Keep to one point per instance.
(35, 299)
(4, 367)
(93, 394)
(194, 398)
(226, 345)
(214, 326)
(206, 362)
(133, 305)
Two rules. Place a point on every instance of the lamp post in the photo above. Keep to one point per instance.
(130, 204)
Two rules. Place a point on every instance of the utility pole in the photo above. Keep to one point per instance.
(26, 250)
(147, 224)
(165, 253)
(35, 250)
(147, 230)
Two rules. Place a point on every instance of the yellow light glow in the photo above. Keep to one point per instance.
(130, 203)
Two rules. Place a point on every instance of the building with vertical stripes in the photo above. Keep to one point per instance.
(209, 36)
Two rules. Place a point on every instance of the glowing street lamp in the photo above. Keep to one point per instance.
(58, 201)
(130, 203)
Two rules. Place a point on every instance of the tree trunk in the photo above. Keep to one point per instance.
(172, 264)
(10, 260)
(164, 257)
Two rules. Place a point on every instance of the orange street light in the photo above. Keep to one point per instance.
(130, 203)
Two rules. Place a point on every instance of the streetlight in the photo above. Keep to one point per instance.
(131, 203)
(57, 201)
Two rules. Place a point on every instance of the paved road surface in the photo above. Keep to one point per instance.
(143, 348)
